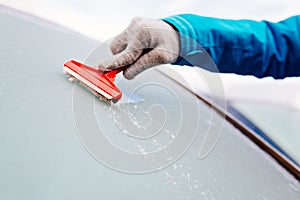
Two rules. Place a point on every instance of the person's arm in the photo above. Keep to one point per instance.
(241, 46)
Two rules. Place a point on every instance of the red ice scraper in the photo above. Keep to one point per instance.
(100, 83)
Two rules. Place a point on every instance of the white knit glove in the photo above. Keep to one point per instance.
(143, 44)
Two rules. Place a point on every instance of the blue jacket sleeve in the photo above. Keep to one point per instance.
(241, 46)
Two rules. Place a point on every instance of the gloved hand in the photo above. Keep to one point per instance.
(143, 44)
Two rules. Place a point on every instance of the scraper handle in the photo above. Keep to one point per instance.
(112, 74)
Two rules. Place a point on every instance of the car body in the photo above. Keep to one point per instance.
(47, 151)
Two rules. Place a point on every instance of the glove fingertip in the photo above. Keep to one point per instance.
(128, 75)
(106, 65)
